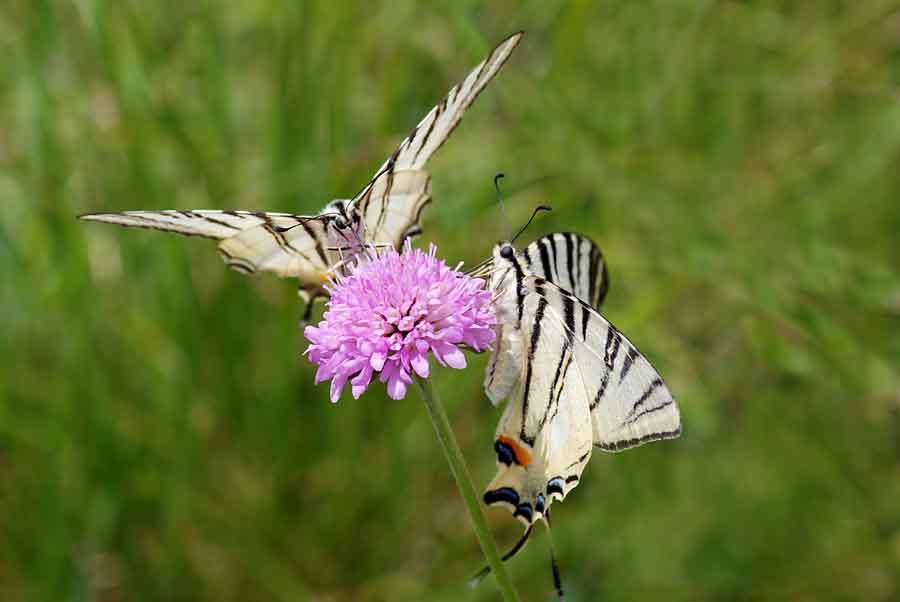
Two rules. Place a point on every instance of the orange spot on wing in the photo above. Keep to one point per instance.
(523, 456)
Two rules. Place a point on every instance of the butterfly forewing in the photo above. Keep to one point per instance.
(629, 402)
(392, 202)
(288, 245)
(393, 205)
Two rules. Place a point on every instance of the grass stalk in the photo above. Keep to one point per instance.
(464, 481)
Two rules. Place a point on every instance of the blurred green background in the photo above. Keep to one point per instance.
(738, 162)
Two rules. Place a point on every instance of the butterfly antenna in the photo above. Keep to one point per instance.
(480, 575)
(497, 178)
(534, 213)
(300, 221)
(554, 565)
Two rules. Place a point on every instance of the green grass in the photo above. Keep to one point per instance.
(160, 436)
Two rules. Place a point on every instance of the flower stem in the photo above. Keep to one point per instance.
(464, 482)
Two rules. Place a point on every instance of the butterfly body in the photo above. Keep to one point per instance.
(572, 380)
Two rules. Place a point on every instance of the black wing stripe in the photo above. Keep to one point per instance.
(657, 408)
(655, 384)
(320, 250)
(545, 259)
(569, 316)
(580, 460)
(592, 282)
(627, 363)
(148, 223)
(553, 394)
(569, 361)
(578, 241)
(219, 222)
(520, 291)
(241, 265)
(388, 186)
(601, 390)
(554, 277)
(438, 110)
(492, 369)
(626, 443)
(570, 261)
(535, 340)
(613, 340)
(280, 240)
(528, 259)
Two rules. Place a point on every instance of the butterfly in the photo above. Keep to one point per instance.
(385, 212)
(573, 381)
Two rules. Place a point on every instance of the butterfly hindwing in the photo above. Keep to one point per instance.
(543, 441)
(571, 261)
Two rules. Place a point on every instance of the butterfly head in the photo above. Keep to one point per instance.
(507, 270)
(347, 221)
(504, 254)
(506, 250)
(343, 214)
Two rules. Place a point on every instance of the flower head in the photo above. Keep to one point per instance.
(389, 312)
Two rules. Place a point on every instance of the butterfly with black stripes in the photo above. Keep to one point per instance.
(384, 213)
(573, 381)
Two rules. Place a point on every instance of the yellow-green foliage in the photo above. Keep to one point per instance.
(160, 435)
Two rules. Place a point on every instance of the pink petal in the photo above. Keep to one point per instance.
(396, 388)
(361, 381)
(337, 385)
(419, 363)
(455, 359)
(377, 360)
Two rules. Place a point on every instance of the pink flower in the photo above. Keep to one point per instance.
(389, 313)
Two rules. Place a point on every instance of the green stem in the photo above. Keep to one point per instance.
(464, 482)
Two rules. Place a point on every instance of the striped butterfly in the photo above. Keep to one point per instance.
(385, 212)
(573, 381)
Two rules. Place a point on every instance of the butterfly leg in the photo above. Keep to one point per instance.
(309, 297)
(480, 575)
(381, 245)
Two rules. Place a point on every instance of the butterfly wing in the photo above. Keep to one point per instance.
(285, 244)
(572, 262)
(392, 203)
(628, 400)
